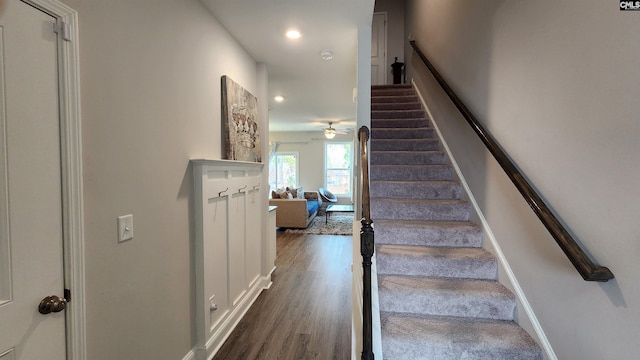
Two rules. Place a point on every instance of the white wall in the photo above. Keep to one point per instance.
(150, 81)
(556, 83)
(310, 147)
(395, 32)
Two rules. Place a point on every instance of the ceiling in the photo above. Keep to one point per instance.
(315, 91)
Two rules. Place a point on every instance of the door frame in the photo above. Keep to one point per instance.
(71, 170)
(386, 35)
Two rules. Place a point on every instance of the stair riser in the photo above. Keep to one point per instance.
(390, 232)
(397, 114)
(410, 173)
(423, 210)
(391, 86)
(398, 124)
(392, 92)
(424, 133)
(437, 267)
(406, 297)
(415, 190)
(404, 145)
(393, 99)
(396, 106)
(407, 158)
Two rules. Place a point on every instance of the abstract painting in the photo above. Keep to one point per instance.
(240, 119)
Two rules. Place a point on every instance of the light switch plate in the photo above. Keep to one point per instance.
(125, 227)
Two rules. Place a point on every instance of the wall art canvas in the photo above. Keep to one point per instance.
(240, 122)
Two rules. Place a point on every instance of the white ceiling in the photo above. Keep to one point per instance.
(315, 91)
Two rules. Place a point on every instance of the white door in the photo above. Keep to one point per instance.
(31, 254)
(379, 49)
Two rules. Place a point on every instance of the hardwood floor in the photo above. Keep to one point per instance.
(306, 314)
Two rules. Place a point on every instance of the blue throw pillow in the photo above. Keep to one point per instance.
(312, 206)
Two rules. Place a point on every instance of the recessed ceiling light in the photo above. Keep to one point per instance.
(326, 55)
(293, 34)
(278, 99)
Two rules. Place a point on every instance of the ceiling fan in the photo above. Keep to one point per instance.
(331, 132)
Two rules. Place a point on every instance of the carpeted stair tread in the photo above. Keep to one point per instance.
(392, 92)
(446, 297)
(408, 337)
(438, 289)
(428, 233)
(411, 172)
(403, 133)
(397, 114)
(386, 99)
(420, 209)
(444, 262)
(392, 86)
(396, 106)
(399, 123)
(415, 189)
(404, 144)
(394, 157)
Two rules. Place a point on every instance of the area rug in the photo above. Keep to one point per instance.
(338, 224)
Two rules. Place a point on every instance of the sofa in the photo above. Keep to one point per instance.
(296, 208)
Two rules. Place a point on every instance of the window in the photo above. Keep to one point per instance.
(338, 160)
(283, 170)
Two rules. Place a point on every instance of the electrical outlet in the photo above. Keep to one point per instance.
(125, 227)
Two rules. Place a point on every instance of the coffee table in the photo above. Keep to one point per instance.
(336, 208)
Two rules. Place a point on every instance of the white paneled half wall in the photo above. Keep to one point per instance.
(232, 256)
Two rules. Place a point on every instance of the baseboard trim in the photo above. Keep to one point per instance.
(266, 280)
(544, 341)
(221, 335)
(191, 355)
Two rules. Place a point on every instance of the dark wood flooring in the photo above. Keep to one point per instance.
(306, 314)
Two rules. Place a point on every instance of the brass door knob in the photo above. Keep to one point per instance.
(51, 304)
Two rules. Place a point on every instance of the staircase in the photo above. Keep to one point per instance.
(439, 297)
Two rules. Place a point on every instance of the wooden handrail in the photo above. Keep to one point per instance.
(366, 248)
(587, 269)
